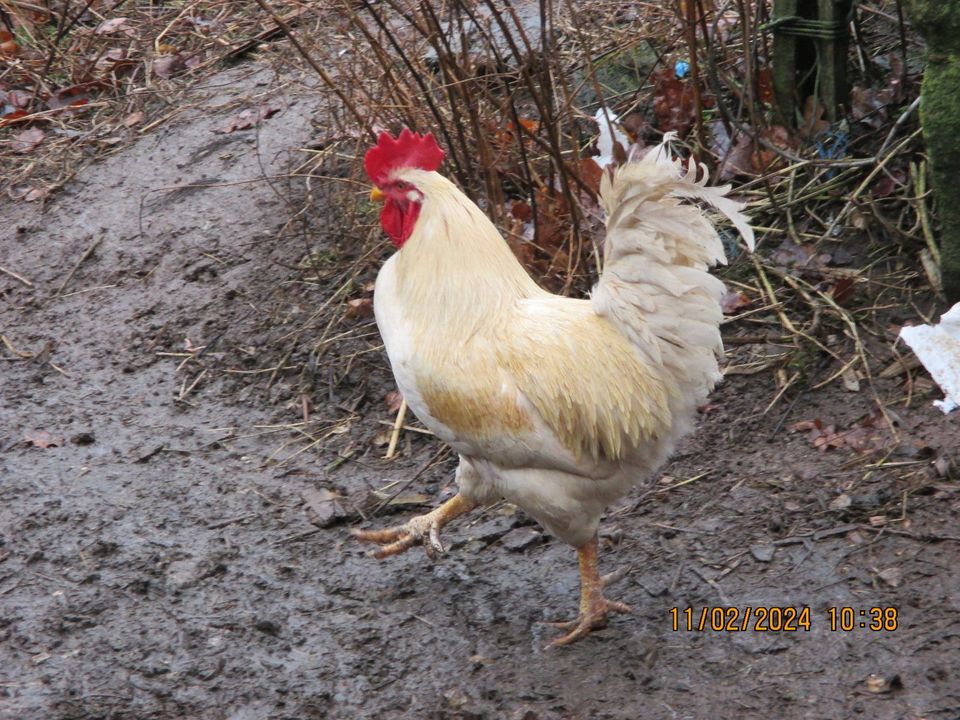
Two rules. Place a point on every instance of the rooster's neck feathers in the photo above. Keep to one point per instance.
(455, 262)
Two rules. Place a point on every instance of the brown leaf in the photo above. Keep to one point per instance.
(740, 160)
(673, 102)
(11, 117)
(116, 25)
(8, 46)
(19, 98)
(732, 302)
(765, 86)
(868, 106)
(892, 576)
(73, 96)
(42, 439)
(37, 193)
(359, 308)
(167, 66)
(249, 118)
(813, 122)
(393, 399)
(27, 140)
(591, 174)
(842, 290)
(113, 61)
(134, 118)
(521, 210)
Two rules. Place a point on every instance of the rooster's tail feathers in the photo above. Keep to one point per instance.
(655, 285)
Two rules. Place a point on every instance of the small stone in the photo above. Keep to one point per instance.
(841, 502)
(268, 627)
(891, 576)
(762, 552)
(519, 539)
(879, 684)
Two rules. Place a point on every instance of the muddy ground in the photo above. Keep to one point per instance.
(159, 562)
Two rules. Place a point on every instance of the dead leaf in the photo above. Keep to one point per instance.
(27, 140)
(850, 380)
(249, 118)
(733, 301)
(360, 308)
(19, 98)
(134, 118)
(167, 66)
(868, 435)
(113, 61)
(813, 122)
(42, 439)
(673, 102)
(591, 174)
(868, 106)
(8, 46)
(765, 86)
(37, 193)
(841, 502)
(842, 289)
(735, 158)
(73, 96)
(116, 25)
(892, 576)
(393, 399)
(11, 117)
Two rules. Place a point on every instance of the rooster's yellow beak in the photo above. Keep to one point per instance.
(376, 195)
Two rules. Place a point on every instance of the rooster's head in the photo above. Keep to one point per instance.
(385, 163)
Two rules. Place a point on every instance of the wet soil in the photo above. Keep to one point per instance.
(156, 561)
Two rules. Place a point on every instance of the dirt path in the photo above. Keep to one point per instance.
(155, 565)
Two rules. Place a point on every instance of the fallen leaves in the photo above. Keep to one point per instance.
(674, 102)
(867, 435)
(393, 399)
(43, 439)
(166, 66)
(359, 308)
(8, 46)
(733, 301)
(119, 25)
(27, 140)
(250, 117)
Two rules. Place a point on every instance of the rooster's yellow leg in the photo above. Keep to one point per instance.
(594, 607)
(421, 529)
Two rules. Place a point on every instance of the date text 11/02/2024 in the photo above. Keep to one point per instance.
(764, 618)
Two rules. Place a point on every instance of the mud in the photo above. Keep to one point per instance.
(158, 564)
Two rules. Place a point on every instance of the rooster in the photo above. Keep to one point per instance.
(558, 405)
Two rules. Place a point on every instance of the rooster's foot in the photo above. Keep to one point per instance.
(593, 619)
(423, 529)
(594, 607)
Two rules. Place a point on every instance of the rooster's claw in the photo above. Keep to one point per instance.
(423, 529)
(396, 540)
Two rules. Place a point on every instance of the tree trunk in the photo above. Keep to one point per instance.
(939, 23)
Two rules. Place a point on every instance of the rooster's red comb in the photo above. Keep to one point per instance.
(410, 150)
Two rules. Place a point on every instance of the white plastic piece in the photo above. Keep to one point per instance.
(938, 348)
